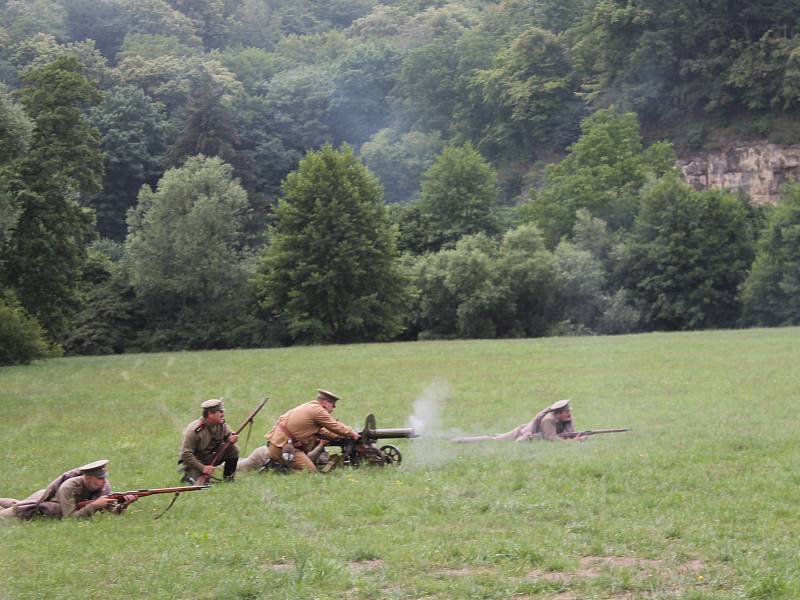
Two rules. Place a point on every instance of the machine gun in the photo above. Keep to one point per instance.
(364, 450)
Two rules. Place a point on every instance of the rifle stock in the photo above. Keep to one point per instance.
(203, 478)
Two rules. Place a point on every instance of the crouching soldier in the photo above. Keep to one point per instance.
(296, 433)
(77, 493)
(202, 438)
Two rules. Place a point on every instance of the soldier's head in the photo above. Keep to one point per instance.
(327, 399)
(94, 474)
(561, 411)
(213, 411)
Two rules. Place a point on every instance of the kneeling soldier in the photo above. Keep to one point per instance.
(296, 431)
(87, 484)
(202, 438)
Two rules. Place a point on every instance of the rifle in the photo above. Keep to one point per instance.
(588, 432)
(120, 496)
(203, 478)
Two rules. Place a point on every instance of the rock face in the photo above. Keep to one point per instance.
(757, 168)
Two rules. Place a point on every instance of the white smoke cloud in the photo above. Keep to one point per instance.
(432, 447)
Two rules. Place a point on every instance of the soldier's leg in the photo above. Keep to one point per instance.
(301, 462)
(276, 454)
(230, 457)
(257, 459)
(8, 502)
(190, 476)
(7, 513)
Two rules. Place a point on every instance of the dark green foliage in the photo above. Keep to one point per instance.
(362, 84)
(663, 59)
(771, 294)
(22, 338)
(99, 20)
(459, 196)
(133, 141)
(530, 94)
(435, 89)
(15, 128)
(331, 269)
(185, 256)
(399, 160)
(111, 316)
(207, 122)
(47, 249)
(688, 253)
(482, 289)
(25, 18)
(64, 145)
(603, 174)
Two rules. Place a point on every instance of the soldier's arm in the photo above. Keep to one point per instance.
(328, 435)
(323, 417)
(548, 430)
(188, 444)
(65, 496)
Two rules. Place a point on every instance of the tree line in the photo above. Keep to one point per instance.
(236, 173)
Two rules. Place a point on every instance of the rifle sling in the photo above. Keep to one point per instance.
(163, 512)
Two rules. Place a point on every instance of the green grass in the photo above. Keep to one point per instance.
(698, 501)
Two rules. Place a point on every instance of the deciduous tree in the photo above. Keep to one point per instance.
(331, 269)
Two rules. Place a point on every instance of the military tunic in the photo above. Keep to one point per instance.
(305, 423)
(544, 425)
(60, 499)
(200, 442)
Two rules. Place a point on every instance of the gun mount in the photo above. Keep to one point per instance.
(364, 451)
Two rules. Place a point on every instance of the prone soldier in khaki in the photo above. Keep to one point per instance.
(87, 484)
(548, 424)
(296, 432)
(201, 440)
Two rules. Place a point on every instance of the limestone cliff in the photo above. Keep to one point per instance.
(757, 168)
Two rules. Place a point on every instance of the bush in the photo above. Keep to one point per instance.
(22, 338)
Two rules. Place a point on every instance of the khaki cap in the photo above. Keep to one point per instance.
(213, 404)
(560, 405)
(328, 395)
(95, 469)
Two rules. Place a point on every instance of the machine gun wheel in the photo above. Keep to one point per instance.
(392, 454)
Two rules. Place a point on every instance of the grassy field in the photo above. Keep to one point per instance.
(700, 500)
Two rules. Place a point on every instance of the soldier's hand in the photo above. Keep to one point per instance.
(208, 469)
(354, 435)
(103, 501)
(232, 438)
(130, 498)
(581, 437)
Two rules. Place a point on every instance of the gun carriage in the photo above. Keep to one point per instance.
(366, 450)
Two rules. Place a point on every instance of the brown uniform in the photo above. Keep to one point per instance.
(200, 442)
(544, 425)
(304, 424)
(59, 499)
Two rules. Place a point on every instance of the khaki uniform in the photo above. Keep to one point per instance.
(257, 459)
(305, 423)
(200, 442)
(544, 425)
(59, 499)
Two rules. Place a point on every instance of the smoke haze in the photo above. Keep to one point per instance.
(432, 447)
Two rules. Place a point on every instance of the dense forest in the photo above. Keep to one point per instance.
(181, 174)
